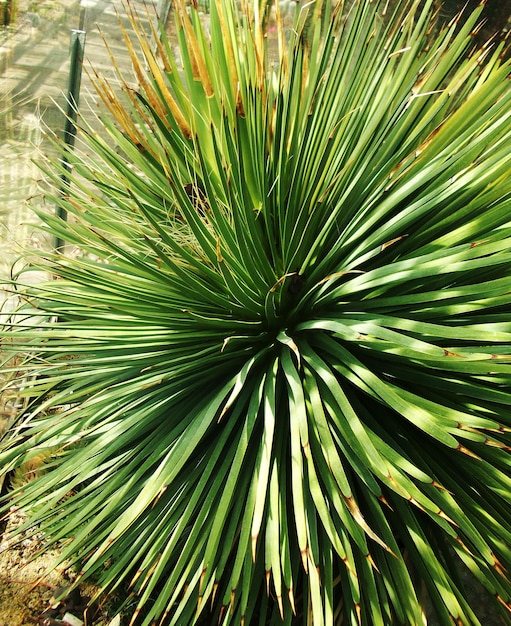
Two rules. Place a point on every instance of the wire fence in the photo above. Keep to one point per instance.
(35, 79)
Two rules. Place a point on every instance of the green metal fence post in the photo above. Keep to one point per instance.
(77, 47)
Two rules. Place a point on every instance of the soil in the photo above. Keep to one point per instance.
(30, 590)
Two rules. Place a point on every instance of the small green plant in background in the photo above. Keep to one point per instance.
(278, 373)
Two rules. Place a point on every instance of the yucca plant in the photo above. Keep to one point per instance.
(275, 380)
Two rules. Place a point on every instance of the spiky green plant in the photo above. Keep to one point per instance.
(277, 376)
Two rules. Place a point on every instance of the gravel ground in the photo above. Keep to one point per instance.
(28, 587)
